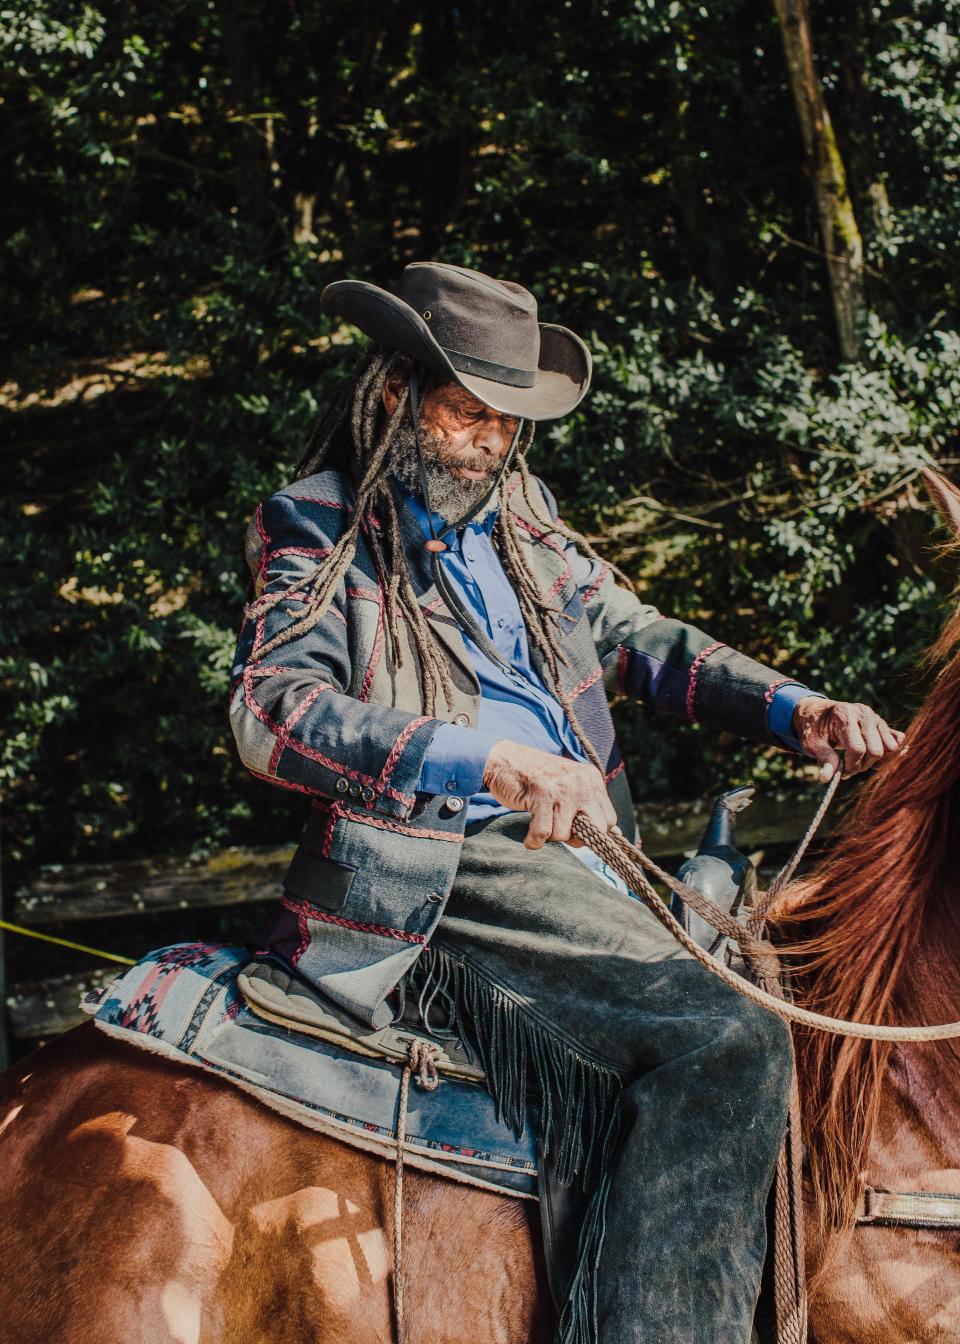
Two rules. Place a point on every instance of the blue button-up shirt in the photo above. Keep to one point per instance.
(514, 704)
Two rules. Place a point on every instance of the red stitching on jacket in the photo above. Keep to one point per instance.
(382, 824)
(623, 659)
(277, 731)
(542, 537)
(264, 541)
(304, 910)
(774, 686)
(694, 672)
(283, 737)
(398, 746)
(333, 504)
(338, 767)
(286, 783)
(617, 770)
(602, 573)
(329, 822)
(558, 583)
(273, 600)
(311, 552)
(374, 658)
(371, 594)
(273, 670)
(587, 682)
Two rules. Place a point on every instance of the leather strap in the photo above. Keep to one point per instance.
(913, 1208)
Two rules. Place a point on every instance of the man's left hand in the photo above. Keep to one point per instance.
(826, 727)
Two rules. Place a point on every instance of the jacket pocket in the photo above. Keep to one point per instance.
(321, 881)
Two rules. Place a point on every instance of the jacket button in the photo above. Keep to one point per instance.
(355, 789)
(367, 794)
(342, 785)
(462, 720)
(434, 897)
(453, 803)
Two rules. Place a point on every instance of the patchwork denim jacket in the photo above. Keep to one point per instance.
(333, 715)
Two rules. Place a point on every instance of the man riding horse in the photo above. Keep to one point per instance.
(427, 656)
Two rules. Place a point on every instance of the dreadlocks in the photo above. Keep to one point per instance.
(352, 436)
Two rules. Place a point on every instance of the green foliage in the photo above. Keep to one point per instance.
(184, 179)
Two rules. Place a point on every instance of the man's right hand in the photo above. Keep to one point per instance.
(553, 789)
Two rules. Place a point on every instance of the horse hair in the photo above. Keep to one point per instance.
(863, 929)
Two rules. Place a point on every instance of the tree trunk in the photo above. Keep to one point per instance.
(867, 187)
(842, 243)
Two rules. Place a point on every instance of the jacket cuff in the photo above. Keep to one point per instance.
(455, 760)
(780, 712)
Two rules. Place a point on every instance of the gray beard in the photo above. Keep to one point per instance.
(450, 496)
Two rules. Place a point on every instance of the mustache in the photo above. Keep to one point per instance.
(434, 455)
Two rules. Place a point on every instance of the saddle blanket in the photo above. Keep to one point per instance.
(183, 1002)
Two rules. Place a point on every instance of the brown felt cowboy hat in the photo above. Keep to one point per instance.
(480, 332)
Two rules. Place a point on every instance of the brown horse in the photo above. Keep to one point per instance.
(879, 929)
(143, 1201)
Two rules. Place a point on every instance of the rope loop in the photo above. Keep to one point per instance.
(422, 1059)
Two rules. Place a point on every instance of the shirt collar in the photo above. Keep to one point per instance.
(443, 531)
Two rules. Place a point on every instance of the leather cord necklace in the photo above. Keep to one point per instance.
(436, 547)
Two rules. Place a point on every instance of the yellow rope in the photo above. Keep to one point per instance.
(65, 942)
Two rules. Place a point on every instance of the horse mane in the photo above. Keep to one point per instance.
(865, 931)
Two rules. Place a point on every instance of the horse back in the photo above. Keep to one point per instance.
(140, 1199)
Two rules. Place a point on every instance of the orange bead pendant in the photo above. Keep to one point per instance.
(435, 545)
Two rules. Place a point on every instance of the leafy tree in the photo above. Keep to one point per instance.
(185, 178)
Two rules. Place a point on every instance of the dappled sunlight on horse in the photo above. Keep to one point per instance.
(145, 1201)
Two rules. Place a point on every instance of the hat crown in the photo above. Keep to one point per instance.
(476, 319)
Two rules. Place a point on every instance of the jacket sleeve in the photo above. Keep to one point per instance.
(294, 721)
(675, 667)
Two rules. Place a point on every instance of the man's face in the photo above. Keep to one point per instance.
(467, 437)
(463, 442)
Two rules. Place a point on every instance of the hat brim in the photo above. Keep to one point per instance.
(564, 370)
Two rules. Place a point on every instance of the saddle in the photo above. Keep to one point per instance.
(259, 1027)
(273, 993)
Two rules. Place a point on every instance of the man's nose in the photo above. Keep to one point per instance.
(492, 437)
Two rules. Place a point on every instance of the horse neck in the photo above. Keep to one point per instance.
(877, 915)
(929, 991)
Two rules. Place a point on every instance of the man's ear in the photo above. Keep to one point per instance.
(392, 387)
(945, 496)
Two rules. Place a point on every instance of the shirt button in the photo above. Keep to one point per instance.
(470, 556)
(462, 720)
(501, 621)
(450, 785)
